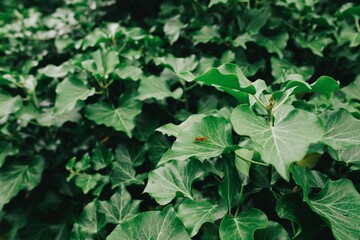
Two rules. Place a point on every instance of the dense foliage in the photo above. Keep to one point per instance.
(179, 119)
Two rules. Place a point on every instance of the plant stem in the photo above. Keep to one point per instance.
(357, 24)
(252, 161)
(260, 102)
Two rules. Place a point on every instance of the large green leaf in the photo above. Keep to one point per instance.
(194, 213)
(227, 76)
(231, 186)
(207, 138)
(17, 176)
(103, 63)
(156, 87)
(283, 143)
(69, 92)
(339, 205)
(173, 177)
(151, 225)
(349, 156)
(120, 207)
(243, 226)
(342, 130)
(121, 118)
(9, 104)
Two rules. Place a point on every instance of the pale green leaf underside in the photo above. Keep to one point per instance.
(243, 226)
(342, 130)
(216, 134)
(151, 225)
(285, 142)
(195, 213)
(121, 118)
(69, 92)
(172, 178)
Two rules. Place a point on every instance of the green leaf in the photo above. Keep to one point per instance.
(90, 222)
(101, 157)
(133, 154)
(7, 149)
(206, 34)
(88, 182)
(9, 104)
(57, 71)
(243, 226)
(51, 118)
(274, 231)
(151, 225)
(69, 92)
(125, 71)
(342, 130)
(316, 45)
(103, 63)
(231, 187)
(17, 176)
(349, 156)
(121, 118)
(172, 28)
(120, 207)
(243, 165)
(215, 138)
(194, 213)
(227, 76)
(277, 65)
(171, 178)
(275, 43)
(177, 65)
(214, 2)
(352, 91)
(123, 173)
(156, 87)
(338, 205)
(308, 179)
(171, 129)
(283, 143)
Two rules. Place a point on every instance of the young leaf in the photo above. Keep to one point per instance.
(101, 157)
(243, 226)
(16, 176)
(120, 207)
(121, 118)
(88, 182)
(151, 225)
(103, 63)
(69, 92)
(283, 143)
(342, 130)
(195, 213)
(173, 177)
(207, 138)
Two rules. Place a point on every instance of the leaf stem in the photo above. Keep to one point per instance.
(281, 103)
(357, 23)
(260, 102)
(252, 161)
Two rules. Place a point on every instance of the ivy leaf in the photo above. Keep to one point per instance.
(173, 177)
(90, 222)
(102, 64)
(275, 43)
(6, 149)
(230, 187)
(173, 27)
(308, 179)
(177, 65)
(50, 118)
(17, 176)
(338, 205)
(214, 2)
(227, 77)
(156, 87)
(121, 118)
(243, 226)
(9, 104)
(101, 157)
(352, 91)
(206, 34)
(133, 154)
(342, 130)
(123, 173)
(277, 65)
(215, 138)
(69, 92)
(120, 207)
(316, 45)
(88, 182)
(194, 213)
(57, 71)
(171, 129)
(349, 156)
(274, 231)
(283, 143)
(151, 225)
(125, 71)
